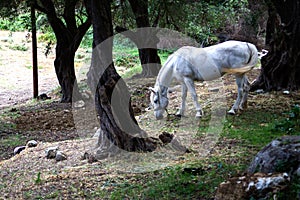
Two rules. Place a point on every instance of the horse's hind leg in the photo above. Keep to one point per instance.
(190, 85)
(239, 81)
(181, 110)
(246, 88)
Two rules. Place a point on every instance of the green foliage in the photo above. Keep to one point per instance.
(18, 47)
(18, 23)
(198, 19)
(291, 123)
(47, 37)
(206, 18)
(87, 40)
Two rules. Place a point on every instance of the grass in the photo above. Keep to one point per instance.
(199, 179)
(184, 181)
(18, 47)
(189, 179)
(12, 141)
(30, 67)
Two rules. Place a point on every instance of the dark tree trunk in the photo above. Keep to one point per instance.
(65, 72)
(149, 58)
(68, 37)
(150, 62)
(119, 129)
(146, 41)
(281, 66)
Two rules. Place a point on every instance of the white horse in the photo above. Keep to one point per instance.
(189, 64)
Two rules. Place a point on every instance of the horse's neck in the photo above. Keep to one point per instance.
(165, 75)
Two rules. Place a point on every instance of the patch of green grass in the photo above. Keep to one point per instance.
(199, 179)
(132, 71)
(188, 181)
(18, 47)
(12, 141)
(291, 123)
(252, 128)
(11, 113)
(30, 67)
(53, 195)
(38, 179)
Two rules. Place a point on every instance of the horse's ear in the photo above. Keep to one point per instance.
(152, 89)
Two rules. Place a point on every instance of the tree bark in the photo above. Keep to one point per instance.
(68, 37)
(149, 58)
(119, 129)
(280, 67)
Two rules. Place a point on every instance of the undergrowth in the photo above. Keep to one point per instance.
(199, 180)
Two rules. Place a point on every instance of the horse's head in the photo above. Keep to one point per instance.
(159, 101)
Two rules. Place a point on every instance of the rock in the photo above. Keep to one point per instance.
(90, 157)
(18, 150)
(298, 171)
(5, 39)
(97, 134)
(51, 152)
(86, 95)
(79, 104)
(13, 110)
(280, 155)
(259, 91)
(43, 97)
(277, 164)
(166, 137)
(32, 143)
(255, 186)
(214, 89)
(286, 92)
(60, 156)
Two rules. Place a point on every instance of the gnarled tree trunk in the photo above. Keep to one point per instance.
(281, 66)
(119, 129)
(68, 37)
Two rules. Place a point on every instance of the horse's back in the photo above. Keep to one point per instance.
(213, 62)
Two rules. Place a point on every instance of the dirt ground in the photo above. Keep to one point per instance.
(54, 124)
(16, 68)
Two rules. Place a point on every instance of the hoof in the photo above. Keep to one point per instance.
(199, 114)
(179, 114)
(231, 112)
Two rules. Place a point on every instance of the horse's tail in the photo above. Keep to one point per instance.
(253, 55)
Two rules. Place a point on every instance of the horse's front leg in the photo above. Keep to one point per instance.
(237, 103)
(191, 86)
(181, 110)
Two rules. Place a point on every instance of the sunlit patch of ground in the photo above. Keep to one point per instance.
(31, 175)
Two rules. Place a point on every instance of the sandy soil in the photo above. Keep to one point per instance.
(16, 69)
